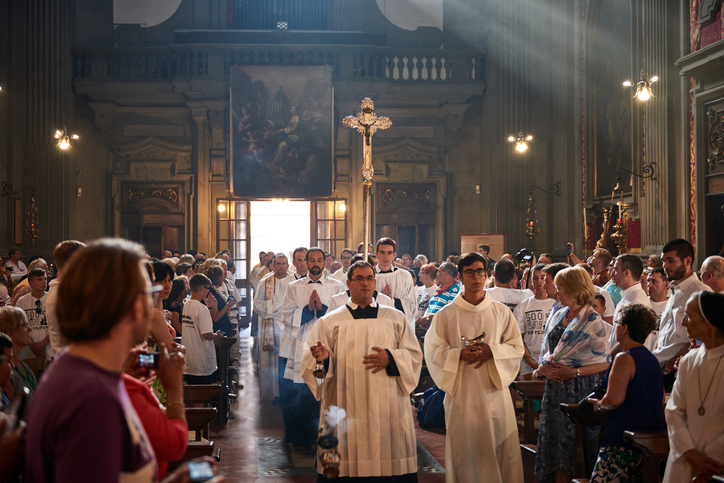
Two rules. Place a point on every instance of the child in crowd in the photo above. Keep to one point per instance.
(599, 304)
(197, 335)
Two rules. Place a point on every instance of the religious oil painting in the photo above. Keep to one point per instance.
(612, 101)
(281, 131)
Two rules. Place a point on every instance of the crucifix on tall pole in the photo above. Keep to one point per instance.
(367, 123)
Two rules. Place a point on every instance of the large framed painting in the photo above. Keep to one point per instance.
(611, 101)
(281, 131)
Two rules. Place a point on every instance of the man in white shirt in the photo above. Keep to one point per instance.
(501, 292)
(198, 335)
(61, 255)
(14, 265)
(673, 343)
(531, 315)
(394, 282)
(712, 273)
(346, 258)
(626, 274)
(307, 300)
(34, 306)
(657, 286)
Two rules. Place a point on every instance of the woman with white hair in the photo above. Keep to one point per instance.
(695, 411)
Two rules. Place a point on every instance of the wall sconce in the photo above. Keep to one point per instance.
(64, 138)
(521, 142)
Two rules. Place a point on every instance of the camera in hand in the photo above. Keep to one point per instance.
(200, 471)
(587, 407)
(569, 246)
(148, 361)
(524, 255)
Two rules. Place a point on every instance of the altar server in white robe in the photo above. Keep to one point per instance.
(372, 362)
(269, 307)
(482, 436)
(395, 282)
(695, 410)
(307, 300)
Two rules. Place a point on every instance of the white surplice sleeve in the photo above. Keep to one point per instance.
(408, 358)
(504, 366)
(443, 361)
(680, 440)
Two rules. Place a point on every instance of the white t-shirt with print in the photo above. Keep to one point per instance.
(200, 352)
(531, 315)
(423, 296)
(509, 297)
(658, 308)
(37, 321)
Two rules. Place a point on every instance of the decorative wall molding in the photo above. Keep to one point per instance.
(708, 10)
(152, 148)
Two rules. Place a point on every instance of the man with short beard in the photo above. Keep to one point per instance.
(673, 342)
(306, 301)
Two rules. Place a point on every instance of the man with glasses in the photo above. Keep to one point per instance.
(34, 306)
(712, 273)
(346, 258)
(372, 363)
(482, 434)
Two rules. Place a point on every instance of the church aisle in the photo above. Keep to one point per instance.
(253, 419)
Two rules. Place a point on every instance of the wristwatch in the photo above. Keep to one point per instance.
(578, 372)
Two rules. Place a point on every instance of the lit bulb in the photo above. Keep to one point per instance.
(627, 83)
(529, 138)
(221, 208)
(58, 134)
(654, 78)
(64, 144)
(511, 139)
(342, 207)
(521, 146)
(75, 136)
(644, 94)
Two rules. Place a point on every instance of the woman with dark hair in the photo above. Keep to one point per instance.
(575, 350)
(174, 304)
(220, 307)
(160, 328)
(634, 398)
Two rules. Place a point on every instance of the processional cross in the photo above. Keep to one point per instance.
(367, 123)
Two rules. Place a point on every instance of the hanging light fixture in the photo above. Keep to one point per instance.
(643, 86)
(64, 138)
(521, 142)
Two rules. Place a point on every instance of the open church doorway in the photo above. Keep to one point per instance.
(279, 226)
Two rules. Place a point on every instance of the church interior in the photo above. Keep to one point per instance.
(215, 125)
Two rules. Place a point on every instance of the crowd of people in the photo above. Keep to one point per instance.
(347, 338)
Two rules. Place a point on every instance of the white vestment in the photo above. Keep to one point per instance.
(342, 298)
(379, 438)
(402, 288)
(296, 316)
(482, 443)
(687, 428)
(269, 309)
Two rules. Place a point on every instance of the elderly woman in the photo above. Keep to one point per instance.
(634, 399)
(694, 411)
(14, 323)
(575, 350)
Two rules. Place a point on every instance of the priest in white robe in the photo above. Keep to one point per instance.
(695, 410)
(482, 443)
(340, 300)
(373, 362)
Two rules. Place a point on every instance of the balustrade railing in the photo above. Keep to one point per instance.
(348, 63)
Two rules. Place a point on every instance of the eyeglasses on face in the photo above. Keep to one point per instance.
(361, 279)
(480, 272)
(155, 292)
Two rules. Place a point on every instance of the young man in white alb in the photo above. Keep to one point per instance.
(34, 306)
(198, 335)
(531, 315)
(393, 282)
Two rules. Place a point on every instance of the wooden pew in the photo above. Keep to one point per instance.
(198, 420)
(529, 391)
(223, 347)
(582, 420)
(206, 394)
(655, 447)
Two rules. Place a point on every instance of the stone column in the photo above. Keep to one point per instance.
(202, 239)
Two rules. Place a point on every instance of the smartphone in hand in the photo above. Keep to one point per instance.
(148, 361)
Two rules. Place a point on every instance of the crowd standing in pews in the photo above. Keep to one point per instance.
(563, 323)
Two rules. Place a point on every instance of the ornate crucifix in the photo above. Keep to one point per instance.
(367, 123)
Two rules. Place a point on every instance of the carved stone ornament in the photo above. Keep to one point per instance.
(154, 153)
(170, 195)
(715, 137)
(421, 197)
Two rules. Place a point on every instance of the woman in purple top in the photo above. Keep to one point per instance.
(634, 399)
